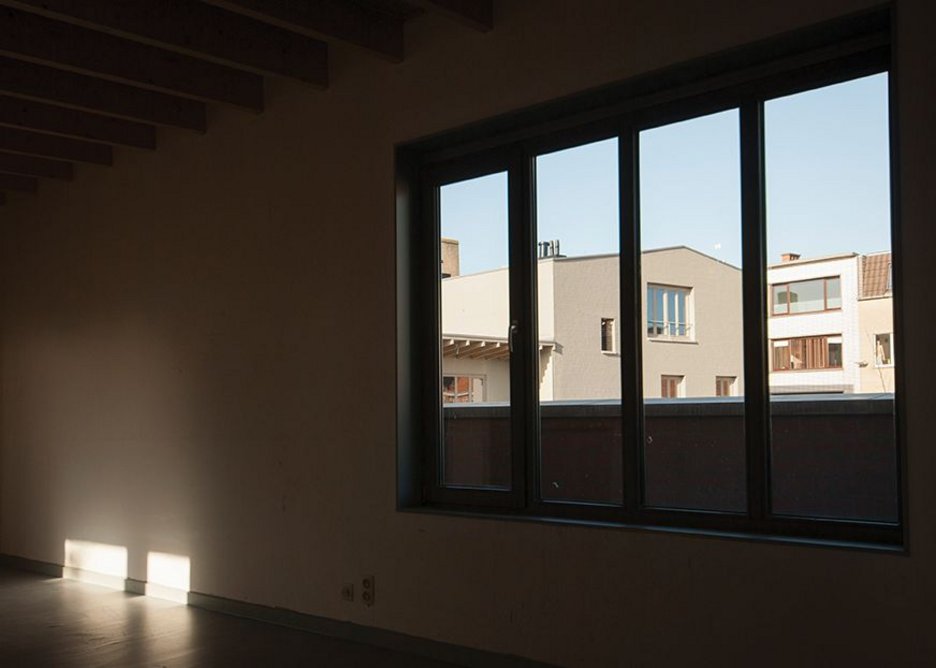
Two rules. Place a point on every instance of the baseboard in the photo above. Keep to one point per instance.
(31, 565)
(359, 633)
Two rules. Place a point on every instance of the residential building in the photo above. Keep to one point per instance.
(692, 328)
(831, 324)
(876, 323)
(813, 324)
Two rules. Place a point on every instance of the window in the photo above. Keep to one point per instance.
(724, 386)
(607, 335)
(667, 311)
(462, 389)
(668, 193)
(671, 387)
(823, 294)
(807, 353)
(882, 350)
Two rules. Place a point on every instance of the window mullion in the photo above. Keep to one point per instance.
(524, 391)
(753, 226)
(631, 321)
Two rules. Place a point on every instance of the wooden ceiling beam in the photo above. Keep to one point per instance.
(27, 36)
(478, 14)
(27, 165)
(196, 29)
(50, 146)
(31, 115)
(23, 184)
(88, 93)
(348, 22)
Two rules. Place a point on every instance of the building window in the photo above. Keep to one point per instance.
(772, 465)
(462, 389)
(607, 335)
(821, 294)
(671, 387)
(725, 386)
(807, 352)
(668, 311)
(883, 355)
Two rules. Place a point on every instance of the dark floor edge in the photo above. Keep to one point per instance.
(359, 633)
(31, 565)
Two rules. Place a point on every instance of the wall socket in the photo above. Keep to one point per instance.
(367, 590)
(347, 592)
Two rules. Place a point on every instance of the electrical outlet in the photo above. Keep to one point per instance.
(347, 592)
(367, 590)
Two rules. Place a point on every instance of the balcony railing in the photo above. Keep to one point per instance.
(832, 456)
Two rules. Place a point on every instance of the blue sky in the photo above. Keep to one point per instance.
(827, 185)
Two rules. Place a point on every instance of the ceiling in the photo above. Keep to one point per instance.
(80, 77)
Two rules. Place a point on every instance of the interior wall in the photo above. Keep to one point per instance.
(198, 358)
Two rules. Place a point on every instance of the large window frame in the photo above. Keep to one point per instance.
(813, 352)
(669, 312)
(741, 79)
(788, 303)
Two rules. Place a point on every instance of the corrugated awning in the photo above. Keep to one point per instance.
(480, 348)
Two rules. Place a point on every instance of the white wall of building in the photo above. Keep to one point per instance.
(477, 304)
(843, 322)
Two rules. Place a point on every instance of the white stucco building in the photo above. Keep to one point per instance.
(831, 324)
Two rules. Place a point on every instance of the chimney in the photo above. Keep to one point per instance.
(449, 258)
(547, 249)
(789, 257)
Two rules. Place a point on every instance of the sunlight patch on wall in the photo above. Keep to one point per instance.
(167, 576)
(95, 563)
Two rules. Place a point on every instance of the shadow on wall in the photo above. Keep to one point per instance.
(167, 575)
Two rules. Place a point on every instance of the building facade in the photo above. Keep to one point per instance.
(831, 324)
(830, 327)
(692, 326)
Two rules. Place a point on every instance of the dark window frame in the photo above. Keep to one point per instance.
(608, 336)
(741, 79)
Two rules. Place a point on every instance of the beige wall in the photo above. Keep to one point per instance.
(875, 316)
(192, 364)
(715, 345)
(586, 291)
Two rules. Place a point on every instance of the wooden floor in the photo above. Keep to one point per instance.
(61, 623)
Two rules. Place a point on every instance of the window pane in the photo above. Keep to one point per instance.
(833, 446)
(779, 299)
(807, 296)
(691, 273)
(834, 293)
(578, 303)
(475, 316)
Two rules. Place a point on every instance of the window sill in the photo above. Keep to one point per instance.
(663, 339)
(817, 312)
(895, 548)
(611, 353)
